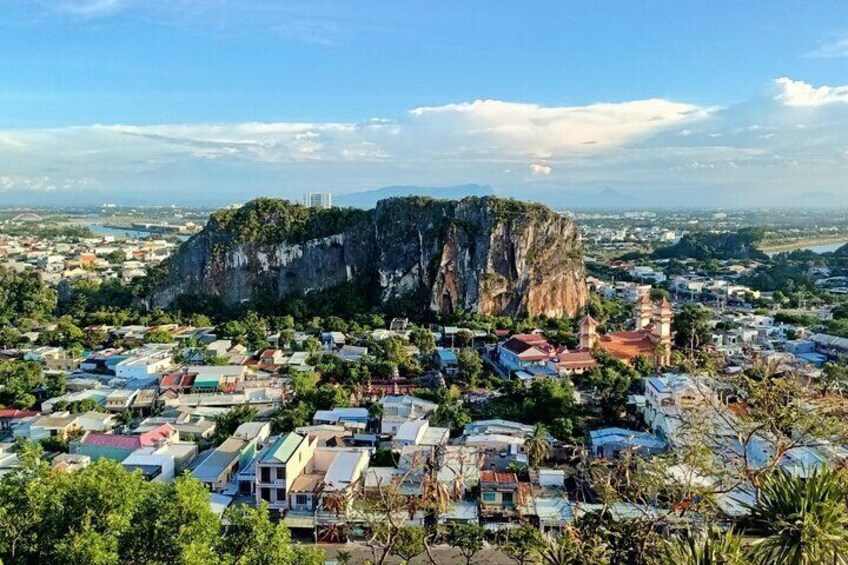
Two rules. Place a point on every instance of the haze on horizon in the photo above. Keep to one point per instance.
(212, 102)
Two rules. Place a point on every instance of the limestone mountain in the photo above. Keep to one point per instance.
(480, 254)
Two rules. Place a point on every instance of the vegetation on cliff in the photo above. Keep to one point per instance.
(705, 246)
(271, 221)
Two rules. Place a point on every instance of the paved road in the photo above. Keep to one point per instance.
(443, 554)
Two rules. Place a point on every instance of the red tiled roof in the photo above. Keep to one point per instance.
(528, 351)
(495, 477)
(177, 380)
(532, 339)
(112, 440)
(627, 345)
(130, 442)
(571, 359)
(12, 414)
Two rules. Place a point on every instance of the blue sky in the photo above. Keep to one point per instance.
(219, 100)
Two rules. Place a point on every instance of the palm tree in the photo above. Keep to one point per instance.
(572, 549)
(125, 419)
(707, 547)
(538, 445)
(804, 520)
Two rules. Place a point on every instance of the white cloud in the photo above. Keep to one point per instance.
(831, 50)
(653, 143)
(801, 94)
(43, 183)
(530, 129)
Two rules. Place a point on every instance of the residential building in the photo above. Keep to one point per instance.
(279, 464)
(220, 467)
(118, 447)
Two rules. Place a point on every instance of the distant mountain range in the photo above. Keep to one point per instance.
(368, 199)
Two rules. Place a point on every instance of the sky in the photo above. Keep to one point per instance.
(210, 102)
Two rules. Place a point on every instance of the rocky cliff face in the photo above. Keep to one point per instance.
(484, 255)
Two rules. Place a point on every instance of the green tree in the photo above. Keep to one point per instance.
(158, 335)
(64, 334)
(251, 538)
(690, 328)
(17, 381)
(805, 520)
(563, 429)
(574, 547)
(292, 416)
(470, 365)
(232, 330)
(834, 378)
(227, 423)
(468, 539)
(538, 445)
(423, 339)
(523, 545)
(409, 542)
(710, 546)
(10, 337)
(304, 383)
(311, 344)
(255, 331)
(24, 296)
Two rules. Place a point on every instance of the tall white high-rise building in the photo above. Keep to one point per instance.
(318, 199)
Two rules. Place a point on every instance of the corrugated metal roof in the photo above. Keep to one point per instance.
(282, 448)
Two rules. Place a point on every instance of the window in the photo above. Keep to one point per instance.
(281, 495)
(265, 493)
(281, 473)
(488, 497)
(265, 474)
(506, 498)
(301, 500)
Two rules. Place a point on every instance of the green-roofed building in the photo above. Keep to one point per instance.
(279, 464)
(208, 381)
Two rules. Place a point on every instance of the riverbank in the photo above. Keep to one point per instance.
(817, 244)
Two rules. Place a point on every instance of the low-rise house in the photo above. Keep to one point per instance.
(120, 400)
(58, 425)
(497, 426)
(11, 418)
(118, 447)
(448, 360)
(355, 417)
(68, 462)
(155, 464)
(502, 496)
(419, 432)
(333, 340)
(612, 442)
(179, 382)
(145, 362)
(219, 467)
(352, 353)
(279, 464)
(97, 421)
(189, 425)
(272, 357)
(98, 395)
(260, 431)
(398, 410)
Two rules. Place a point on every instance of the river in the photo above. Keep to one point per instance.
(100, 229)
(819, 248)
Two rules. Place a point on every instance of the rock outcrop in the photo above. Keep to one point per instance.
(486, 255)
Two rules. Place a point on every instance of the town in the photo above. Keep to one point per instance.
(688, 384)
